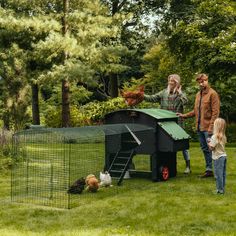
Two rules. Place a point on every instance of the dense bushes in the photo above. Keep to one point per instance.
(89, 114)
(191, 130)
(93, 113)
(231, 133)
(5, 150)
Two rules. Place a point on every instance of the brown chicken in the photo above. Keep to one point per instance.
(92, 183)
(132, 98)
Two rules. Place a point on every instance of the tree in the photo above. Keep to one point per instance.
(134, 35)
(22, 26)
(65, 82)
(14, 88)
(207, 44)
(201, 36)
(73, 55)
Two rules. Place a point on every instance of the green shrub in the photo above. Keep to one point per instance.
(89, 114)
(6, 163)
(189, 126)
(5, 149)
(5, 143)
(93, 113)
(231, 132)
(53, 117)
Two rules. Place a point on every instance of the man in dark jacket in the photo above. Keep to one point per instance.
(206, 110)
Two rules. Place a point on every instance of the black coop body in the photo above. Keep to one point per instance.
(161, 140)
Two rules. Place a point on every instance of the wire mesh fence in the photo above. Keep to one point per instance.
(49, 161)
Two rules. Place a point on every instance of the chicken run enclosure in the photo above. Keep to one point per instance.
(132, 142)
(50, 160)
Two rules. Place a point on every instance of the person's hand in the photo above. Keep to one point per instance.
(209, 144)
(180, 115)
(179, 90)
(209, 134)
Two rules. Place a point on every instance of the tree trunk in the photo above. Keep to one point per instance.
(113, 86)
(35, 104)
(115, 5)
(65, 104)
(65, 83)
(113, 79)
(6, 120)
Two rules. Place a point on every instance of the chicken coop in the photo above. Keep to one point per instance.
(156, 145)
(48, 161)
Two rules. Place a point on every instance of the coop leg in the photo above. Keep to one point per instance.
(154, 167)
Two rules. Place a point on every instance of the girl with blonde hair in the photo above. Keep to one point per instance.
(217, 145)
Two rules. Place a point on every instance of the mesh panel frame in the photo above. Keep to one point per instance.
(49, 161)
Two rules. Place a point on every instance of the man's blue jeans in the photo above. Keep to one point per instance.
(203, 135)
(220, 173)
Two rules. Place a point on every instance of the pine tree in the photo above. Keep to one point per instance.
(63, 41)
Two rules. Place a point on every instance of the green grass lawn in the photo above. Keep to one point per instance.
(184, 205)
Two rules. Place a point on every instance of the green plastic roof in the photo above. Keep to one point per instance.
(157, 113)
(174, 130)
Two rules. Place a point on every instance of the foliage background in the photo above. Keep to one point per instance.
(110, 46)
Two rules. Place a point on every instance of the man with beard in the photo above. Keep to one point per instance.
(206, 110)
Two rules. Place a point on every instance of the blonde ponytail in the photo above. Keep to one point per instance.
(219, 131)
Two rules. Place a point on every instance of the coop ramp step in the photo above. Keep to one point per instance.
(119, 166)
(123, 157)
